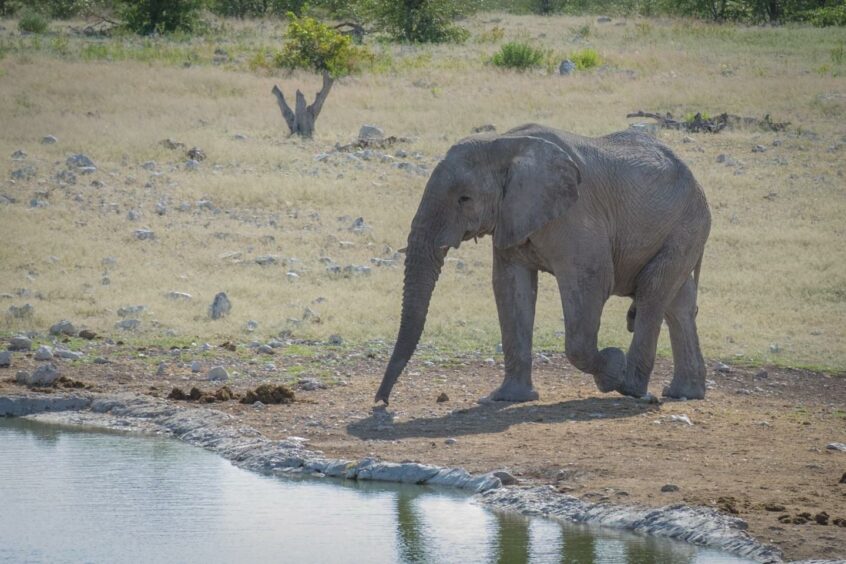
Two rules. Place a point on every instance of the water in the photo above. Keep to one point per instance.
(73, 496)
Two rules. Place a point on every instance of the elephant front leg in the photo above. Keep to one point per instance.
(516, 289)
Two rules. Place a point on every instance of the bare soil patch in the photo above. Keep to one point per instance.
(756, 446)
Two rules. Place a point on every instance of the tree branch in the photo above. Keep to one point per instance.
(321, 96)
(287, 113)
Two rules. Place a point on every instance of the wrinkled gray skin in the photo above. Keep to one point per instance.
(619, 214)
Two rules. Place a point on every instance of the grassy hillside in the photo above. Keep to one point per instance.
(774, 278)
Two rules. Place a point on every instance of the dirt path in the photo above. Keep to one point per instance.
(755, 447)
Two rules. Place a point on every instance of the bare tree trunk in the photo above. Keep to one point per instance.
(301, 120)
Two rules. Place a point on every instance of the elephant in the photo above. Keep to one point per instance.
(619, 214)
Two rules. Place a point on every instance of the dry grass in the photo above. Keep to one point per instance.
(774, 279)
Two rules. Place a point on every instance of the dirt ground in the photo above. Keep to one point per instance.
(756, 447)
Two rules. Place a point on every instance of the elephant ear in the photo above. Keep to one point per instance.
(541, 184)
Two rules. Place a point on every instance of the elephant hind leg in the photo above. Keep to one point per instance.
(630, 317)
(688, 364)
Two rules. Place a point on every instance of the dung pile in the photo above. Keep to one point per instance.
(268, 393)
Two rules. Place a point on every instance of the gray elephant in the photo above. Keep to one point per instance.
(619, 214)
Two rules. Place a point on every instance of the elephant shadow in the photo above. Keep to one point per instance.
(495, 417)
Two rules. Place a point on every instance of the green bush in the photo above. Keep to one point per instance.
(586, 59)
(518, 55)
(828, 16)
(419, 21)
(161, 16)
(313, 45)
(256, 8)
(32, 22)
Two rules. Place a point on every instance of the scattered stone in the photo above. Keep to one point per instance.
(161, 370)
(44, 375)
(251, 326)
(336, 340)
(841, 447)
(679, 419)
(240, 137)
(843, 478)
(63, 327)
(762, 374)
(81, 163)
(102, 360)
(6, 362)
(759, 149)
(359, 225)
(443, 397)
(24, 173)
(171, 144)
(218, 373)
(144, 234)
(505, 477)
(566, 68)
(21, 312)
(267, 260)
(722, 368)
(773, 507)
(191, 164)
(44, 353)
(67, 354)
(669, 488)
(196, 154)
(370, 133)
(687, 139)
(87, 334)
(220, 306)
(49, 140)
(133, 215)
(128, 324)
(292, 276)
(38, 203)
(179, 296)
(149, 165)
(603, 19)
(20, 344)
(161, 208)
(775, 348)
(196, 366)
(19, 155)
(265, 349)
(257, 405)
(451, 441)
(269, 394)
(66, 178)
(310, 384)
(480, 129)
(130, 310)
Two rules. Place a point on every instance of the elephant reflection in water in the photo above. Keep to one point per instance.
(515, 539)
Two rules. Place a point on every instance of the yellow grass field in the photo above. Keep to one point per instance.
(774, 277)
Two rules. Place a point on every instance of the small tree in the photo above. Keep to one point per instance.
(419, 21)
(161, 16)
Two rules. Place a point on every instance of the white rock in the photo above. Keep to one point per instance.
(680, 419)
(836, 446)
(67, 354)
(178, 296)
(451, 441)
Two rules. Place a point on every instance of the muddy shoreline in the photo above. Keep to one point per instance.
(249, 449)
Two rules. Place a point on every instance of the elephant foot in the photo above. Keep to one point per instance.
(511, 391)
(610, 378)
(686, 390)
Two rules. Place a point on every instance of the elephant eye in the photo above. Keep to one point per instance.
(463, 199)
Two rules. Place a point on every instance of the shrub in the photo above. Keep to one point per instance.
(517, 55)
(586, 59)
(256, 8)
(32, 22)
(828, 16)
(155, 16)
(315, 46)
(419, 21)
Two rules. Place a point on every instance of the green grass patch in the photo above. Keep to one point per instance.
(519, 56)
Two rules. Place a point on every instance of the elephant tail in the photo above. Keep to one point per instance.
(697, 269)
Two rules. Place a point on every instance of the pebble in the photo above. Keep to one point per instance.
(258, 405)
(5, 359)
(63, 327)
(179, 296)
(130, 310)
(87, 334)
(133, 215)
(128, 324)
(251, 326)
(20, 344)
(149, 165)
(566, 67)
(759, 149)
(67, 354)
(841, 447)
(27, 172)
(162, 369)
(102, 360)
(196, 154)
(310, 384)
(161, 208)
(196, 366)
(336, 340)
(19, 155)
(679, 419)
(669, 488)
(80, 161)
(44, 353)
(144, 234)
(49, 140)
(265, 349)
(451, 441)
(191, 164)
(722, 368)
(218, 374)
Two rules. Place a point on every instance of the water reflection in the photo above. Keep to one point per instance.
(113, 498)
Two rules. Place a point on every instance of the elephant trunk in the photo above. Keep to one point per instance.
(423, 264)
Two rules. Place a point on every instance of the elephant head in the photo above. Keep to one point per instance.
(508, 186)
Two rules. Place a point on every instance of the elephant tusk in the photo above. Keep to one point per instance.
(402, 250)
